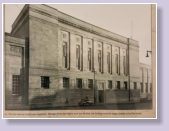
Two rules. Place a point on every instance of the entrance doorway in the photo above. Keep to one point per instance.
(101, 96)
(101, 92)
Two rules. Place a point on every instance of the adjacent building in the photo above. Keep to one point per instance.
(53, 59)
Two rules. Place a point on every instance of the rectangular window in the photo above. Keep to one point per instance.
(135, 85)
(78, 56)
(110, 84)
(117, 63)
(118, 84)
(151, 87)
(108, 62)
(90, 83)
(146, 88)
(89, 59)
(15, 84)
(79, 83)
(125, 85)
(141, 85)
(66, 83)
(99, 60)
(45, 82)
(65, 54)
(124, 65)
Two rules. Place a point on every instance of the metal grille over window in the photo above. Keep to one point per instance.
(90, 83)
(79, 83)
(45, 82)
(15, 84)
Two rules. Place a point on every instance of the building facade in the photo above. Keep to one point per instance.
(51, 57)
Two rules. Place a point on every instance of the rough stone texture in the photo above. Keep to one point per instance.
(13, 66)
(122, 96)
(53, 97)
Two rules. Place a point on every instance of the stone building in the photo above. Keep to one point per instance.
(50, 59)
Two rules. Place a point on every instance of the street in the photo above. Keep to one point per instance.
(120, 106)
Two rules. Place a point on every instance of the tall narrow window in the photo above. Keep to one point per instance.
(146, 89)
(65, 54)
(65, 82)
(108, 62)
(89, 59)
(44, 81)
(15, 84)
(78, 57)
(124, 65)
(117, 64)
(99, 60)
(151, 87)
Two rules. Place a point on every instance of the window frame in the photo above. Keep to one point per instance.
(79, 80)
(16, 85)
(47, 82)
(90, 84)
(66, 83)
(110, 81)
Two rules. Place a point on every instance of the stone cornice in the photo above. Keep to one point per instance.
(88, 30)
(74, 22)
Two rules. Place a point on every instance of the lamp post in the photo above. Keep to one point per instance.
(147, 53)
(94, 85)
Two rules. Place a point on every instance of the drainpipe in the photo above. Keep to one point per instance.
(128, 68)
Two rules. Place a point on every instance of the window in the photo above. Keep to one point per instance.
(89, 59)
(64, 54)
(146, 89)
(108, 62)
(110, 84)
(135, 85)
(90, 83)
(45, 82)
(15, 84)
(151, 87)
(124, 65)
(99, 60)
(118, 84)
(125, 85)
(79, 83)
(65, 82)
(117, 63)
(78, 57)
(141, 85)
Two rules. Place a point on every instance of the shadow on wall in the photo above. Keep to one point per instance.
(43, 101)
(120, 98)
(58, 98)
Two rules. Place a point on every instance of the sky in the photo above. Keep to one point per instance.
(129, 20)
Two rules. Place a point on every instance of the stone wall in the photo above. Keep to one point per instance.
(122, 96)
(53, 97)
(14, 48)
